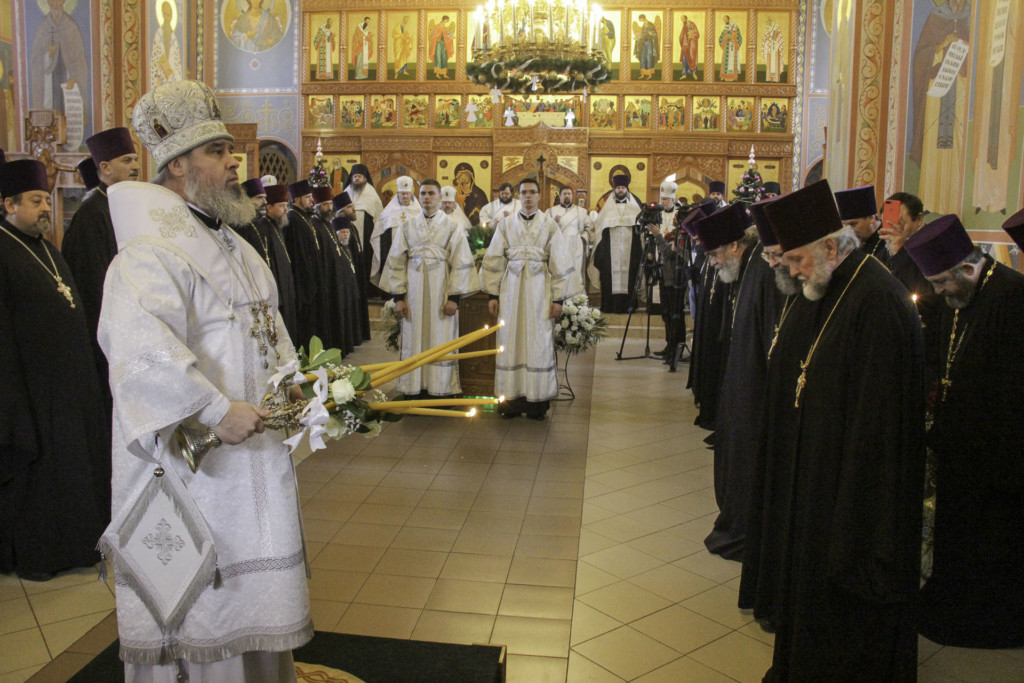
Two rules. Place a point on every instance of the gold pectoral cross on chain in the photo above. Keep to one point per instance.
(66, 291)
(946, 383)
(800, 382)
(775, 340)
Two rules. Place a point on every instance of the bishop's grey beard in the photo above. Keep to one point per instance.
(729, 271)
(229, 203)
(784, 282)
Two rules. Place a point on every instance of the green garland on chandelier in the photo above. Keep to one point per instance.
(554, 74)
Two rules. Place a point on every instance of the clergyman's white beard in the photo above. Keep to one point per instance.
(786, 283)
(729, 271)
(41, 227)
(816, 285)
(229, 204)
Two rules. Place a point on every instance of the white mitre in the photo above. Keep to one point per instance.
(404, 183)
(447, 193)
(668, 190)
(175, 118)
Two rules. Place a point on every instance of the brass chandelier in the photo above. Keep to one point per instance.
(543, 46)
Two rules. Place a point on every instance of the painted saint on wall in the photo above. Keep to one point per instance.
(688, 28)
(440, 45)
(362, 56)
(325, 42)
(730, 42)
(646, 29)
(165, 64)
(255, 25)
(58, 61)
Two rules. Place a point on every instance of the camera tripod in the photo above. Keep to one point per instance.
(648, 274)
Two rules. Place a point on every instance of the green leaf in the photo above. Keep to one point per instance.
(392, 417)
(307, 390)
(360, 379)
(315, 347)
(325, 357)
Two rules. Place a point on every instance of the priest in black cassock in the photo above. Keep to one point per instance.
(859, 211)
(740, 421)
(975, 596)
(344, 208)
(618, 251)
(710, 337)
(54, 428)
(89, 244)
(343, 293)
(305, 247)
(268, 240)
(846, 496)
(90, 175)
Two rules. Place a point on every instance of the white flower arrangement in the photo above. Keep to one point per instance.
(392, 326)
(579, 326)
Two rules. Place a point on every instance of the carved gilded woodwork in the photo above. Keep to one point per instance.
(108, 74)
(131, 57)
(869, 99)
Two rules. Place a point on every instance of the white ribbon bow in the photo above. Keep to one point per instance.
(283, 372)
(314, 416)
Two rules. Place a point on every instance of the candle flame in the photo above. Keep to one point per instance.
(501, 349)
(471, 413)
(914, 298)
(501, 399)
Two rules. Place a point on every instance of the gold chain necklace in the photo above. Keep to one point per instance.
(802, 380)
(61, 287)
(954, 350)
(264, 241)
(782, 319)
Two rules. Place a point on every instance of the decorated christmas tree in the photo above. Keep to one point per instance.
(751, 187)
(318, 174)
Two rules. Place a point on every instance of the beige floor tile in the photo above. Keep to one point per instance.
(684, 669)
(615, 500)
(621, 529)
(21, 675)
(971, 666)
(666, 546)
(62, 634)
(553, 547)
(719, 604)
(67, 603)
(736, 656)
(527, 669)
(525, 457)
(421, 538)
(582, 670)
(626, 652)
(22, 649)
(486, 543)
(502, 501)
(559, 489)
(591, 542)
(475, 597)
(624, 601)
(10, 587)
(437, 518)
(507, 487)
(16, 615)
(590, 578)
(672, 583)
(408, 562)
(659, 517)
(460, 468)
(545, 602)
(414, 483)
(350, 558)
(378, 620)
(528, 636)
(365, 533)
(66, 579)
(469, 567)
(552, 525)
(455, 500)
(754, 630)
(588, 623)
(395, 591)
(543, 572)
(555, 473)
(368, 513)
(320, 508)
(320, 530)
(679, 628)
(698, 503)
(344, 493)
(486, 521)
(390, 494)
(337, 586)
(416, 464)
(462, 484)
(555, 506)
(98, 638)
(354, 477)
(453, 627)
(622, 561)
(327, 613)
(710, 566)
(505, 471)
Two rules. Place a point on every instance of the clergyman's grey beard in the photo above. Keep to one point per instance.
(966, 291)
(326, 214)
(784, 282)
(729, 271)
(42, 226)
(261, 211)
(282, 220)
(815, 286)
(229, 203)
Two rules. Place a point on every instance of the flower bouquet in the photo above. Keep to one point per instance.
(316, 395)
(392, 326)
(479, 237)
(579, 326)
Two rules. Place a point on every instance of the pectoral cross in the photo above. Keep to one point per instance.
(800, 382)
(66, 291)
(775, 340)
(946, 383)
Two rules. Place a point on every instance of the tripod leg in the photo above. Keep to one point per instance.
(632, 307)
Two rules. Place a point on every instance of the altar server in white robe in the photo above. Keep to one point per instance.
(617, 253)
(210, 572)
(451, 207)
(576, 226)
(503, 206)
(527, 271)
(402, 207)
(429, 269)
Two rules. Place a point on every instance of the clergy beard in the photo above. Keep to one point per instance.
(567, 204)
(816, 285)
(261, 211)
(41, 227)
(965, 293)
(729, 271)
(282, 222)
(325, 214)
(784, 282)
(505, 201)
(229, 204)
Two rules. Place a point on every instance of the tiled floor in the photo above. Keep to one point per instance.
(576, 542)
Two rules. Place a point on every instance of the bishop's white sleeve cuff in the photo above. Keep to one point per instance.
(214, 411)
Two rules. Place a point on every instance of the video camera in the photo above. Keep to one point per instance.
(650, 214)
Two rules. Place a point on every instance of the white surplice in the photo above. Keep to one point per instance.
(367, 203)
(430, 260)
(528, 266)
(615, 223)
(393, 215)
(175, 328)
(578, 229)
(495, 211)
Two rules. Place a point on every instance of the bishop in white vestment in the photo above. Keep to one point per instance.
(527, 271)
(429, 269)
(401, 208)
